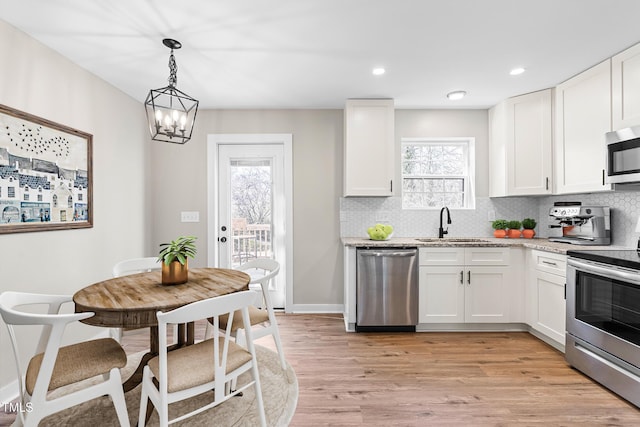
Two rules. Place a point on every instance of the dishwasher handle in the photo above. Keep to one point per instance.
(409, 253)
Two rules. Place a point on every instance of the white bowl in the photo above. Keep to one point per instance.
(382, 240)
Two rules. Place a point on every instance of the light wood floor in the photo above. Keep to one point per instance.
(432, 379)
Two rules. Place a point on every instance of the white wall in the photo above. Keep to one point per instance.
(39, 81)
(447, 124)
(179, 183)
(358, 213)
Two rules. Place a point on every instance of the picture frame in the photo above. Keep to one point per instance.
(45, 174)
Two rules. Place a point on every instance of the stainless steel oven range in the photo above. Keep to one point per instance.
(603, 318)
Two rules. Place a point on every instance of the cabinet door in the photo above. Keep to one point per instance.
(583, 116)
(369, 148)
(486, 295)
(626, 88)
(441, 295)
(549, 318)
(529, 137)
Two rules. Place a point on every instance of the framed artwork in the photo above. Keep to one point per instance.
(45, 174)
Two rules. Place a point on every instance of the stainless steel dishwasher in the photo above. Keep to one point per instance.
(386, 289)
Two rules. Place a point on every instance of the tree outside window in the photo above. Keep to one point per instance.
(251, 193)
(437, 172)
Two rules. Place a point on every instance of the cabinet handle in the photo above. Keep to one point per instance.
(469, 277)
(391, 185)
(461, 277)
(549, 263)
(603, 172)
(547, 183)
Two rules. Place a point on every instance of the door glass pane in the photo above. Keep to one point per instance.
(609, 305)
(251, 207)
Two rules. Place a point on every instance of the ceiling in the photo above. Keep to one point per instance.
(317, 53)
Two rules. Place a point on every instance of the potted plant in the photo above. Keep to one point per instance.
(499, 225)
(514, 229)
(175, 259)
(528, 224)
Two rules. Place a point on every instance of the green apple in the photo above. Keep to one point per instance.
(378, 234)
(388, 229)
(370, 231)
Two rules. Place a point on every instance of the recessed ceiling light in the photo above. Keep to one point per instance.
(378, 71)
(458, 94)
(516, 71)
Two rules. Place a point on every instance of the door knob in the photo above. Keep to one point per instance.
(223, 239)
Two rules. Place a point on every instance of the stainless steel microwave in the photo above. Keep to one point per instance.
(623, 155)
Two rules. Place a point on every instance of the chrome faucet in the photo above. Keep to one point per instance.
(442, 231)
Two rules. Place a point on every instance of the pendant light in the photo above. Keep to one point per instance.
(170, 112)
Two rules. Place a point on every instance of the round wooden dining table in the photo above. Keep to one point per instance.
(133, 301)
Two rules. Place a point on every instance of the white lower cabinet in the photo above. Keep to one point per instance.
(546, 305)
(464, 285)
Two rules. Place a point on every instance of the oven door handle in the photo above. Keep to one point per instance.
(608, 272)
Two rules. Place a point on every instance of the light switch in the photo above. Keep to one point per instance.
(193, 216)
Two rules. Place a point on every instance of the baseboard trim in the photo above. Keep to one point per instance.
(472, 327)
(316, 308)
(542, 337)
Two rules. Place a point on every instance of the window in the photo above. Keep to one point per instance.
(11, 192)
(437, 173)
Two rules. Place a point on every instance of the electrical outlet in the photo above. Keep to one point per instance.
(193, 216)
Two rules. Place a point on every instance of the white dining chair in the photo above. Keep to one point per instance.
(54, 366)
(136, 265)
(263, 320)
(133, 266)
(207, 366)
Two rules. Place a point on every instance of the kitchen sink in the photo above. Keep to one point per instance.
(452, 239)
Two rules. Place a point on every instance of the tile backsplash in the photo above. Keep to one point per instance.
(358, 213)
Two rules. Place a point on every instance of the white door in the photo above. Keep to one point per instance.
(251, 208)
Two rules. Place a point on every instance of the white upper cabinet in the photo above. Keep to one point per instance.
(626, 88)
(529, 139)
(369, 148)
(583, 116)
(521, 145)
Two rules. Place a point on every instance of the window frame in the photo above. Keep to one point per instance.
(468, 179)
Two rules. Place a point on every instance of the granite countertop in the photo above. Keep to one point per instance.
(539, 244)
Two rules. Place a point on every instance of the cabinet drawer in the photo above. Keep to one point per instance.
(487, 256)
(550, 263)
(441, 256)
(464, 256)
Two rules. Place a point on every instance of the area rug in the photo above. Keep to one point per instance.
(279, 391)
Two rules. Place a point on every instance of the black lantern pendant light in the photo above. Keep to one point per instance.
(170, 112)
